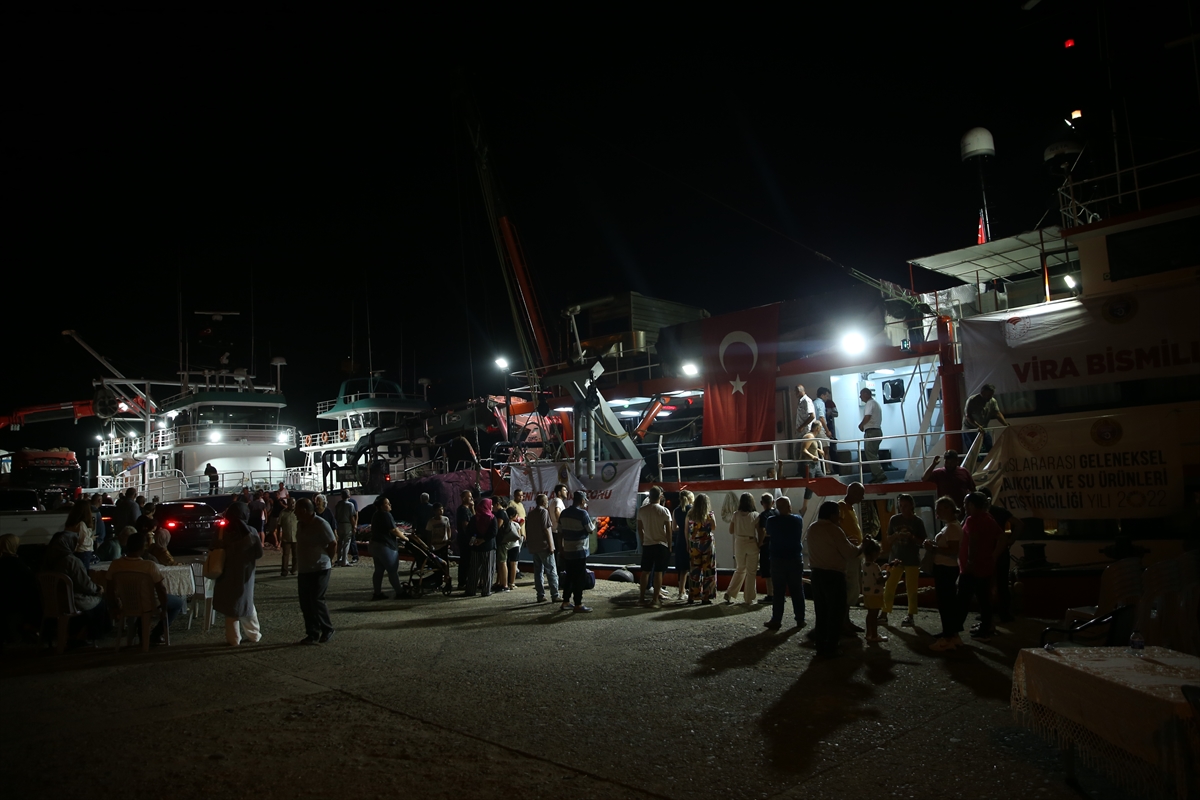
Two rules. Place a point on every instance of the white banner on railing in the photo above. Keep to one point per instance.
(1107, 467)
(1150, 334)
(612, 493)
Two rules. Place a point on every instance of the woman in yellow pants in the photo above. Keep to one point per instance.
(906, 531)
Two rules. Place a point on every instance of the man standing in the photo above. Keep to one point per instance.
(872, 428)
(805, 411)
(315, 549)
(982, 539)
(282, 494)
(826, 411)
(424, 513)
(346, 516)
(655, 526)
(539, 531)
(465, 530)
(829, 551)
(288, 525)
(211, 472)
(575, 526)
(905, 534)
(767, 501)
(785, 531)
(952, 481)
(848, 522)
(257, 506)
(127, 511)
(980, 410)
(558, 503)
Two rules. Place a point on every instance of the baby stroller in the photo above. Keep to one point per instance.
(429, 572)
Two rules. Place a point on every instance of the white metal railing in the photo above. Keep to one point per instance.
(918, 453)
(117, 448)
(304, 479)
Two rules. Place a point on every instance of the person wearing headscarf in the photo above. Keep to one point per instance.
(20, 600)
(78, 521)
(158, 548)
(233, 594)
(89, 598)
(483, 550)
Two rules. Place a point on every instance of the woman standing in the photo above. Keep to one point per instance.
(483, 550)
(945, 574)
(744, 529)
(683, 558)
(233, 594)
(702, 579)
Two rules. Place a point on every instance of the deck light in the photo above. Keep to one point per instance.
(691, 370)
(1070, 281)
(282, 437)
(564, 409)
(502, 363)
(1076, 114)
(214, 437)
(854, 343)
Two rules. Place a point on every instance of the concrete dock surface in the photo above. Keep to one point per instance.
(502, 697)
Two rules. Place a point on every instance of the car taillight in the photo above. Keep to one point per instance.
(170, 524)
(221, 523)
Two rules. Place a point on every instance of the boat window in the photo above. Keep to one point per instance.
(387, 419)
(237, 415)
(370, 419)
(355, 421)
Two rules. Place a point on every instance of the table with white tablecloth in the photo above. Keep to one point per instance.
(1123, 714)
(176, 580)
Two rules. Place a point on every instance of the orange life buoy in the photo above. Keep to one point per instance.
(325, 438)
(342, 434)
(308, 440)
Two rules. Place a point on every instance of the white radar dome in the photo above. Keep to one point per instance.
(977, 142)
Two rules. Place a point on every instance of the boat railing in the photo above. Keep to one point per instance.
(304, 479)
(164, 439)
(346, 399)
(742, 459)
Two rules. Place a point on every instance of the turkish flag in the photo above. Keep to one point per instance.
(981, 235)
(739, 375)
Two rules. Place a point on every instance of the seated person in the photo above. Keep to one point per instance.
(109, 550)
(157, 548)
(20, 600)
(133, 561)
(60, 558)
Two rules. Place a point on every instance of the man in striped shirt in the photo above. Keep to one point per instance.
(575, 525)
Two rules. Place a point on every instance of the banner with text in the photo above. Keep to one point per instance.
(1107, 467)
(612, 493)
(1150, 334)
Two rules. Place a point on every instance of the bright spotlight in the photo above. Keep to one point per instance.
(214, 437)
(282, 437)
(161, 424)
(502, 363)
(691, 369)
(1070, 281)
(854, 343)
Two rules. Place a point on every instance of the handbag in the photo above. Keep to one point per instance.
(510, 536)
(214, 564)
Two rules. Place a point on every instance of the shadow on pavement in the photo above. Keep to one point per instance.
(743, 653)
(46, 662)
(427, 622)
(822, 701)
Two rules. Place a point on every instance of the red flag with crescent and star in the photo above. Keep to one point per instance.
(739, 375)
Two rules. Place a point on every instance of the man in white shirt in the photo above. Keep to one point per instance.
(872, 429)
(655, 527)
(558, 503)
(805, 411)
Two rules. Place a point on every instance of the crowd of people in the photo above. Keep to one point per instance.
(967, 556)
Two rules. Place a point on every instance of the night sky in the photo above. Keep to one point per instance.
(299, 170)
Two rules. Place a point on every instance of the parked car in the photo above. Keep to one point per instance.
(191, 525)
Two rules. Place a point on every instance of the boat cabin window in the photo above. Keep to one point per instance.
(237, 415)
(355, 421)
(370, 419)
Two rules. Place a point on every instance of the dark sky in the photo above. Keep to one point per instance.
(321, 165)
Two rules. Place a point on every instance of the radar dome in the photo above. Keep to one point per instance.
(977, 142)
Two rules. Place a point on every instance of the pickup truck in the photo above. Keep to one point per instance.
(19, 514)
